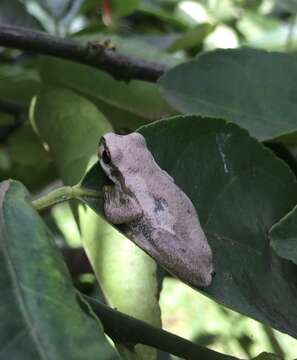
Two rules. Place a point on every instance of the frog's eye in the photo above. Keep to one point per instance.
(106, 156)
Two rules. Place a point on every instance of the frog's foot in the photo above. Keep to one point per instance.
(120, 208)
(107, 192)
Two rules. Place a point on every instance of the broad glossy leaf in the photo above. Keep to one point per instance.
(240, 189)
(40, 314)
(283, 236)
(253, 88)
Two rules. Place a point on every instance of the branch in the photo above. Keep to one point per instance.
(126, 329)
(103, 58)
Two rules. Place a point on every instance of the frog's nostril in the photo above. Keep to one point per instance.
(213, 274)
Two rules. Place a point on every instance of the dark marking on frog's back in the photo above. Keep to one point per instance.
(160, 205)
(141, 227)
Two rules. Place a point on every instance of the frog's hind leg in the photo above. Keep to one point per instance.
(183, 259)
(120, 208)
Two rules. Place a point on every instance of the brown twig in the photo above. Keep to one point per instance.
(117, 65)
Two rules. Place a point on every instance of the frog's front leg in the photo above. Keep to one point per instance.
(119, 207)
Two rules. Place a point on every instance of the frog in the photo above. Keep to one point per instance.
(155, 213)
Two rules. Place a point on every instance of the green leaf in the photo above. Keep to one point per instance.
(38, 302)
(18, 84)
(252, 88)
(283, 236)
(192, 37)
(240, 189)
(71, 126)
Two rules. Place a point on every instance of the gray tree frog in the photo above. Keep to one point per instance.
(159, 216)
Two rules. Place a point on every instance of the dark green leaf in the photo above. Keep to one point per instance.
(40, 315)
(252, 88)
(283, 236)
(240, 189)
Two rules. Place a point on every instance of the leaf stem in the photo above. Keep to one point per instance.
(62, 194)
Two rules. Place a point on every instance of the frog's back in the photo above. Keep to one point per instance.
(169, 203)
